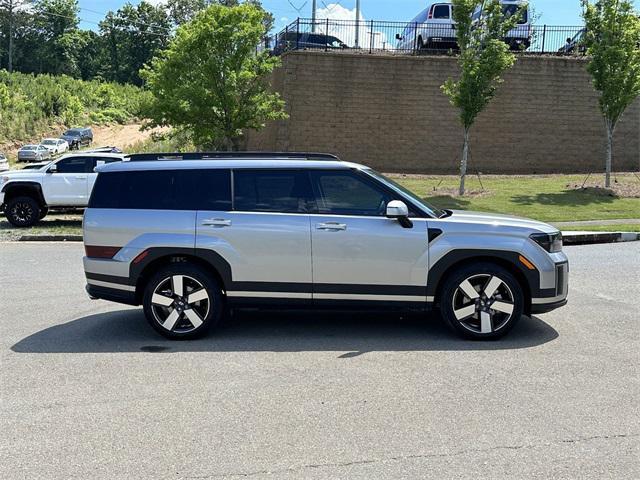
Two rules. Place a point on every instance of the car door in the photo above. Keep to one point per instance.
(266, 238)
(67, 183)
(359, 254)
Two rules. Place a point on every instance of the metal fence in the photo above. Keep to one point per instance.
(412, 38)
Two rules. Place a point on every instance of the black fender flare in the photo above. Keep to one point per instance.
(32, 187)
(208, 257)
(455, 258)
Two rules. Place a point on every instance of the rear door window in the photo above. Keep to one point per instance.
(163, 190)
(278, 191)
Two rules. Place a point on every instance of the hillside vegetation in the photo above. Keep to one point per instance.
(31, 105)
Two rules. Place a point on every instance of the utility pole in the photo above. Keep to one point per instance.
(313, 15)
(357, 42)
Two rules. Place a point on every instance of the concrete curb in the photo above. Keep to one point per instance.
(592, 238)
(50, 238)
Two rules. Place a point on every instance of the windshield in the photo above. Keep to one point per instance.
(73, 133)
(436, 212)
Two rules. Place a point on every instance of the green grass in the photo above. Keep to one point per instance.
(52, 224)
(605, 228)
(549, 198)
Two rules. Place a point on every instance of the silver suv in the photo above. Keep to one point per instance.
(190, 235)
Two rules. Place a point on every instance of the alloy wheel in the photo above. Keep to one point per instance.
(22, 212)
(180, 304)
(483, 303)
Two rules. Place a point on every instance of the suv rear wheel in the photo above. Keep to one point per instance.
(482, 301)
(22, 211)
(182, 301)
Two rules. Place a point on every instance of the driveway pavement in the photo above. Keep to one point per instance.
(88, 390)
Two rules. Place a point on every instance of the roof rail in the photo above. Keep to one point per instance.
(146, 157)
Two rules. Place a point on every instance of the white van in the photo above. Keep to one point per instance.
(432, 29)
(519, 38)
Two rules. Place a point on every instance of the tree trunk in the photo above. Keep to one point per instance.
(464, 161)
(10, 52)
(607, 178)
(235, 144)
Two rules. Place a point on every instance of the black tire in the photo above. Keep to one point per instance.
(22, 211)
(180, 326)
(43, 212)
(484, 321)
(419, 44)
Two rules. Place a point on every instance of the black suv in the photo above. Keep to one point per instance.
(78, 137)
(299, 41)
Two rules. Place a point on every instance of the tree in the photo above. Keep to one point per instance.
(211, 82)
(133, 36)
(57, 23)
(182, 11)
(613, 42)
(484, 56)
(9, 9)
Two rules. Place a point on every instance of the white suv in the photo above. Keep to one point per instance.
(27, 195)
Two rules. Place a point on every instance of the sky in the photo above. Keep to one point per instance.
(550, 12)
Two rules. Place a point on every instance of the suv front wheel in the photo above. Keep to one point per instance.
(182, 301)
(23, 211)
(482, 301)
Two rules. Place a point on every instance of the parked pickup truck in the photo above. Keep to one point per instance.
(27, 195)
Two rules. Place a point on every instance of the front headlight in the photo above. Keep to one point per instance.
(551, 242)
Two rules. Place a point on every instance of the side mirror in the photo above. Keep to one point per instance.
(399, 210)
(399, 37)
(53, 168)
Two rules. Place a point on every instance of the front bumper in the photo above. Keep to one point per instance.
(548, 307)
(556, 297)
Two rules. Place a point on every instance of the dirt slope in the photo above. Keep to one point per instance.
(121, 136)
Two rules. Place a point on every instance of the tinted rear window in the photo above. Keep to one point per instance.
(283, 191)
(441, 12)
(163, 190)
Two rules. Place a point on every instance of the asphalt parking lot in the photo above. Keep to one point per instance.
(88, 390)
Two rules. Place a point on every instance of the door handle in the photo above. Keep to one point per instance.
(331, 226)
(81, 177)
(216, 222)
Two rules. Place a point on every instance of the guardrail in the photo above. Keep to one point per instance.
(414, 38)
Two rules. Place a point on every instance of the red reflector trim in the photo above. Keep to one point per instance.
(141, 257)
(101, 252)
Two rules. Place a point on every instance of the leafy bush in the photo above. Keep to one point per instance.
(33, 104)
